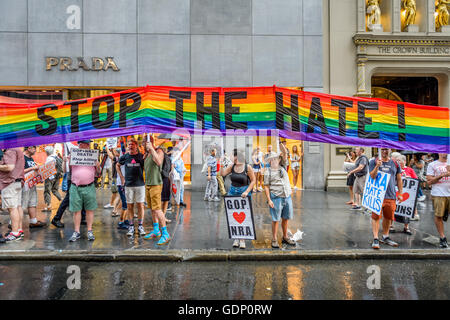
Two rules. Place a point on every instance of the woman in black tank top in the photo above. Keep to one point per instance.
(242, 181)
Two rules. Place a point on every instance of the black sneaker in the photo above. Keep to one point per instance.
(57, 223)
(389, 242)
(443, 243)
(375, 244)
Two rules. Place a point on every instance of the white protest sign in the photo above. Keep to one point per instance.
(111, 143)
(374, 191)
(83, 157)
(239, 217)
(407, 206)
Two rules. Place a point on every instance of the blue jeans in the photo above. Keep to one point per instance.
(282, 208)
(237, 191)
(419, 191)
(121, 190)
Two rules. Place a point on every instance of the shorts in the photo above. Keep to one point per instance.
(153, 195)
(351, 180)
(440, 205)
(165, 192)
(282, 208)
(12, 196)
(114, 188)
(82, 197)
(358, 185)
(29, 198)
(295, 166)
(135, 194)
(256, 167)
(387, 210)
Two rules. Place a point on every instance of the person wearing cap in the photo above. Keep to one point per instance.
(278, 193)
(29, 195)
(211, 185)
(51, 184)
(83, 194)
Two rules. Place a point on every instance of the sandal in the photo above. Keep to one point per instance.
(114, 214)
(275, 244)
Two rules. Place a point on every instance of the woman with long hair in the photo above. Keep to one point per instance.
(350, 159)
(257, 168)
(296, 157)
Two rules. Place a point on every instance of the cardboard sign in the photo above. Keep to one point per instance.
(45, 171)
(375, 191)
(111, 143)
(83, 157)
(239, 214)
(407, 207)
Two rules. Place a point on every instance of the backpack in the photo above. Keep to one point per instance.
(166, 166)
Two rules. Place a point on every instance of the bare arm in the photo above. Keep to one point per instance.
(374, 172)
(7, 167)
(433, 180)
(122, 178)
(251, 175)
(223, 171)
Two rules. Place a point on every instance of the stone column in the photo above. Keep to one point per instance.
(361, 61)
(396, 16)
(361, 16)
(431, 9)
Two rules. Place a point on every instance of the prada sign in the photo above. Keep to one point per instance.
(95, 64)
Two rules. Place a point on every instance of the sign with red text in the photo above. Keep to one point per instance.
(239, 214)
(35, 177)
(407, 206)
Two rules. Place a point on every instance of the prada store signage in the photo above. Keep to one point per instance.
(69, 64)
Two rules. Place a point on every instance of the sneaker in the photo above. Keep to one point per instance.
(443, 243)
(75, 236)
(152, 234)
(407, 231)
(422, 198)
(90, 235)
(182, 204)
(206, 198)
(288, 241)
(10, 237)
(108, 206)
(241, 244)
(375, 244)
(236, 243)
(416, 218)
(38, 224)
(216, 199)
(57, 223)
(130, 232)
(164, 239)
(141, 230)
(356, 208)
(123, 225)
(275, 244)
(389, 242)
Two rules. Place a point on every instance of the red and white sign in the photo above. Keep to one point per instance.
(34, 177)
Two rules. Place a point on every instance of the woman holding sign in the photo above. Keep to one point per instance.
(242, 181)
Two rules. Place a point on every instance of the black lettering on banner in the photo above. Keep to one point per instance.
(96, 122)
(230, 110)
(74, 105)
(316, 118)
(401, 121)
(125, 108)
(52, 124)
(363, 120)
(213, 110)
(343, 105)
(292, 111)
(179, 96)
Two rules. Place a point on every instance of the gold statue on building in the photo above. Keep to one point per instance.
(442, 17)
(373, 14)
(409, 7)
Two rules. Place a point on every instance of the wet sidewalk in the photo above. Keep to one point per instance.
(329, 227)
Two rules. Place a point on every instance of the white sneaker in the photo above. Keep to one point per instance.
(130, 232)
(236, 243)
(141, 230)
(108, 206)
(216, 199)
(242, 244)
(422, 198)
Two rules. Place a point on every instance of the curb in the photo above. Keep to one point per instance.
(216, 255)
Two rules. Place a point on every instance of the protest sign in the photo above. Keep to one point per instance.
(239, 217)
(407, 207)
(47, 170)
(111, 143)
(83, 157)
(35, 177)
(374, 191)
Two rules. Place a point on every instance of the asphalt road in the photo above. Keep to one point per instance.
(398, 280)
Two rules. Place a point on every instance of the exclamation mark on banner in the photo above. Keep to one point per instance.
(401, 121)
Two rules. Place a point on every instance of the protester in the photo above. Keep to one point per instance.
(134, 184)
(418, 165)
(211, 185)
(124, 223)
(12, 167)
(242, 181)
(438, 174)
(165, 173)
(153, 160)
(278, 193)
(52, 183)
(349, 165)
(82, 194)
(387, 165)
(107, 170)
(29, 195)
(360, 173)
(296, 157)
(178, 166)
(266, 156)
(408, 173)
(220, 181)
(257, 168)
(114, 202)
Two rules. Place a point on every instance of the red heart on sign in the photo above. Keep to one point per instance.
(405, 196)
(239, 217)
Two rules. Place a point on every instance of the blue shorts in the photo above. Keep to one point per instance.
(282, 208)
(237, 191)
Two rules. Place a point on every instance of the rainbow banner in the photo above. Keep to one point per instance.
(294, 114)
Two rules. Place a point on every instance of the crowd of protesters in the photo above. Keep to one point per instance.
(141, 175)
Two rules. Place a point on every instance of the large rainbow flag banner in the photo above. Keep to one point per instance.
(294, 114)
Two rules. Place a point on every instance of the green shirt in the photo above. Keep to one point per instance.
(152, 172)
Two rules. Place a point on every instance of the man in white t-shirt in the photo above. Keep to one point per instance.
(438, 177)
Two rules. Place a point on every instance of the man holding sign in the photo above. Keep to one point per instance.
(388, 166)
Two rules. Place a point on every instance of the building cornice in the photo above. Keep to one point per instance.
(400, 40)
